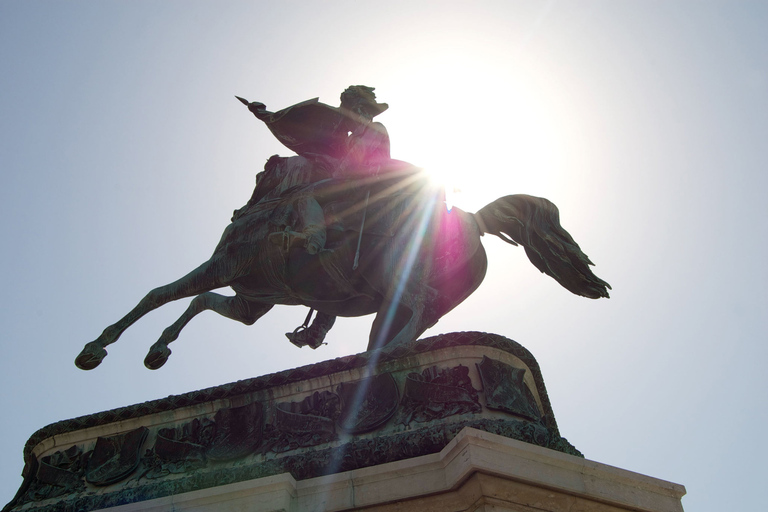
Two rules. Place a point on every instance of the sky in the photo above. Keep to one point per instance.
(123, 153)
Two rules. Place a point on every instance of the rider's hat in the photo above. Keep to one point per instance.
(356, 94)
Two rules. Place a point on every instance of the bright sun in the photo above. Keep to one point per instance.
(494, 131)
(476, 167)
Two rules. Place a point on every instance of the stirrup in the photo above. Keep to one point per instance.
(302, 337)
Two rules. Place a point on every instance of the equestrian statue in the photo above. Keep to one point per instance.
(346, 230)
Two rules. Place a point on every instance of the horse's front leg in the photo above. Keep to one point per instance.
(204, 278)
(235, 308)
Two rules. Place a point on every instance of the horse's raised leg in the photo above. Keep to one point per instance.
(207, 276)
(235, 308)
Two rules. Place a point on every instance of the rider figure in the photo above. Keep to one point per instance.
(341, 142)
(367, 145)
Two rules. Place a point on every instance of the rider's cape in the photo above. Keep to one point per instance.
(310, 127)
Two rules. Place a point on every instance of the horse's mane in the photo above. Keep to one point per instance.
(281, 177)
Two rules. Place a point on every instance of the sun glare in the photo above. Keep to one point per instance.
(475, 167)
(444, 177)
(499, 127)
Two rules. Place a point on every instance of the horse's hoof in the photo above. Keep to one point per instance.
(91, 356)
(157, 356)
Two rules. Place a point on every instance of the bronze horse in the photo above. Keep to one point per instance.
(417, 261)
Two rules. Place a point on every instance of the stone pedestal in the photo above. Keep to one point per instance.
(476, 471)
(456, 422)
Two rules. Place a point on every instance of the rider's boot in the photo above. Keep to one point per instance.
(314, 334)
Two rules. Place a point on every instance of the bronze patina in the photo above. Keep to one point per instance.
(348, 231)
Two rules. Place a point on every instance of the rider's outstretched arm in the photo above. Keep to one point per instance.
(257, 108)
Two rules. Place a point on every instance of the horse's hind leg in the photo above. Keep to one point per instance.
(207, 276)
(235, 308)
(404, 320)
(390, 319)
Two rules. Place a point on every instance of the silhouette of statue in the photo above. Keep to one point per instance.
(348, 231)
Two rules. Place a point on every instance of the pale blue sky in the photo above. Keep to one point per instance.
(123, 153)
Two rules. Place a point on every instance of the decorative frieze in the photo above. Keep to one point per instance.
(412, 402)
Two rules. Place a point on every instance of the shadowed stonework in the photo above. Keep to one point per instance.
(349, 413)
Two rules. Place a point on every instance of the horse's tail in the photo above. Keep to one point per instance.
(534, 222)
